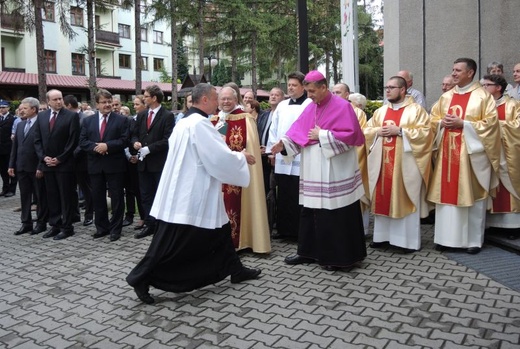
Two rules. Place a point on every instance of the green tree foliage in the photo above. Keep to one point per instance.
(221, 74)
(370, 57)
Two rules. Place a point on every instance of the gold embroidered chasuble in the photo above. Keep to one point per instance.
(507, 196)
(474, 155)
(362, 159)
(251, 228)
(389, 160)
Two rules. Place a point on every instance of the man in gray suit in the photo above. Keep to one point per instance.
(25, 164)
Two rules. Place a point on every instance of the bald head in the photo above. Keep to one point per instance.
(407, 76)
(447, 83)
(341, 90)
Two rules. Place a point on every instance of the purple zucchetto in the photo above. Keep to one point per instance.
(314, 76)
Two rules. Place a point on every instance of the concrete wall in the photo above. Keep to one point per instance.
(426, 36)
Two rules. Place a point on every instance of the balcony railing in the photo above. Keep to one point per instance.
(11, 21)
(106, 37)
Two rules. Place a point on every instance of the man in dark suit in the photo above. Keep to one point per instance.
(150, 137)
(276, 95)
(104, 137)
(56, 135)
(80, 169)
(6, 125)
(25, 164)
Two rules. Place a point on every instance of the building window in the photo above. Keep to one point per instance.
(144, 63)
(124, 61)
(124, 31)
(78, 64)
(76, 16)
(48, 11)
(158, 64)
(144, 34)
(99, 68)
(157, 37)
(50, 61)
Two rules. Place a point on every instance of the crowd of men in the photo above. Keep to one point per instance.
(316, 165)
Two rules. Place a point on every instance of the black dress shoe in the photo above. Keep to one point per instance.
(374, 244)
(144, 233)
(24, 229)
(330, 268)
(143, 294)
(297, 259)
(115, 237)
(440, 248)
(127, 222)
(3, 192)
(100, 234)
(406, 250)
(39, 229)
(87, 222)
(9, 194)
(245, 274)
(473, 250)
(51, 233)
(63, 235)
(277, 236)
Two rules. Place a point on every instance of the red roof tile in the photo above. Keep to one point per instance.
(56, 81)
(53, 80)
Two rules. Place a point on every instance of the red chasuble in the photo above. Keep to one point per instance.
(236, 137)
(383, 190)
(451, 148)
(502, 201)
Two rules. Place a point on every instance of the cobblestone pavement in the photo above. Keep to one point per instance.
(72, 294)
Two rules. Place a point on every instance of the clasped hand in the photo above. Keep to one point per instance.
(452, 121)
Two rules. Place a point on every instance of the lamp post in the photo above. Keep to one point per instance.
(212, 62)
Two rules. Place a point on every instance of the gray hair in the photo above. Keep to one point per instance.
(32, 102)
(358, 98)
(199, 91)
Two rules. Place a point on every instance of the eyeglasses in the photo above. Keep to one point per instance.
(486, 85)
(390, 87)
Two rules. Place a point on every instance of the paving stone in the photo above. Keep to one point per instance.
(29, 344)
(39, 335)
(106, 343)
(285, 342)
(457, 338)
(134, 340)
(322, 342)
(235, 342)
(397, 345)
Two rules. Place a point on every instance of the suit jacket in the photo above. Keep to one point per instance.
(116, 138)
(80, 157)
(262, 125)
(23, 155)
(156, 139)
(6, 127)
(60, 142)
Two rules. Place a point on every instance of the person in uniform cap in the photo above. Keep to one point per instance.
(6, 126)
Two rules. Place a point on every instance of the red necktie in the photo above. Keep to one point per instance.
(103, 126)
(52, 120)
(149, 120)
